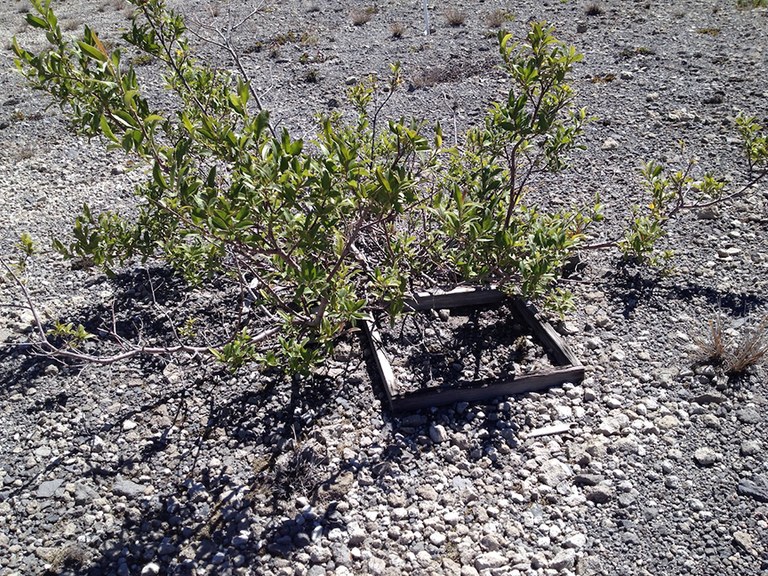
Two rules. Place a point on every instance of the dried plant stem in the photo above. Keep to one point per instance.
(44, 347)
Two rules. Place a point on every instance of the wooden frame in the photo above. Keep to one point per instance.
(568, 368)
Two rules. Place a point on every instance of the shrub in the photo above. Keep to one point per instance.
(318, 235)
(486, 230)
(673, 193)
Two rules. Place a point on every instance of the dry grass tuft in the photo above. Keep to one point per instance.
(714, 345)
(360, 17)
(455, 17)
(594, 9)
(397, 29)
(751, 350)
(721, 347)
(497, 18)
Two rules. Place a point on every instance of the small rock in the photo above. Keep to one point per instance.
(43, 451)
(708, 213)
(757, 489)
(744, 541)
(490, 560)
(566, 328)
(84, 493)
(241, 539)
(750, 447)
(128, 488)
(581, 27)
(667, 422)
(173, 373)
(610, 144)
(588, 479)
(564, 560)
(681, 115)
(728, 253)
(490, 542)
(437, 538)
(706, 457)
(672, 482)
(709, 398)
(651, 96)
(48, 489)
(553, 472)
(98, 445)
(594, 343)
(451, 518)
(575, 541)
(438, 433)
(626, 500)
(748, 415)
(376, 566)
(150, 569)
(600, 494)
(612, 425)
(350, 80)
(626, 75)
(356, 534)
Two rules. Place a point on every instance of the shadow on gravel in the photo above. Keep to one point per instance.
(206, 512)
(632, 288)
(203, 519)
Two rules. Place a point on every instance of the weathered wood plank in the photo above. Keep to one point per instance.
(545, 333)
(569, 368)
(455, 298)
(439, 397)
(388, 379)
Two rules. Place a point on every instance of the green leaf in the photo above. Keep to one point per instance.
(92, 51)
(36, 22)
(106, 130)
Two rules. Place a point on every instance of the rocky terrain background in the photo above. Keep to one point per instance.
(171, 467)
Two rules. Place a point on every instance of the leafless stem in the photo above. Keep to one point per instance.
(44, 347)
(223, 40)
(27, 298)
(740, 192)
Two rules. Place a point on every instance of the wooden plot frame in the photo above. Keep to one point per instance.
(568, 368)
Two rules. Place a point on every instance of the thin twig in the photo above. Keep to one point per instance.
(44, 347)
(225, 43)
(27, 297)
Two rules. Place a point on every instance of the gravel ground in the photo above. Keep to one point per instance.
(169, 467)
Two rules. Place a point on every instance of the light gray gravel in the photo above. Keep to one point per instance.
(168, 468)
